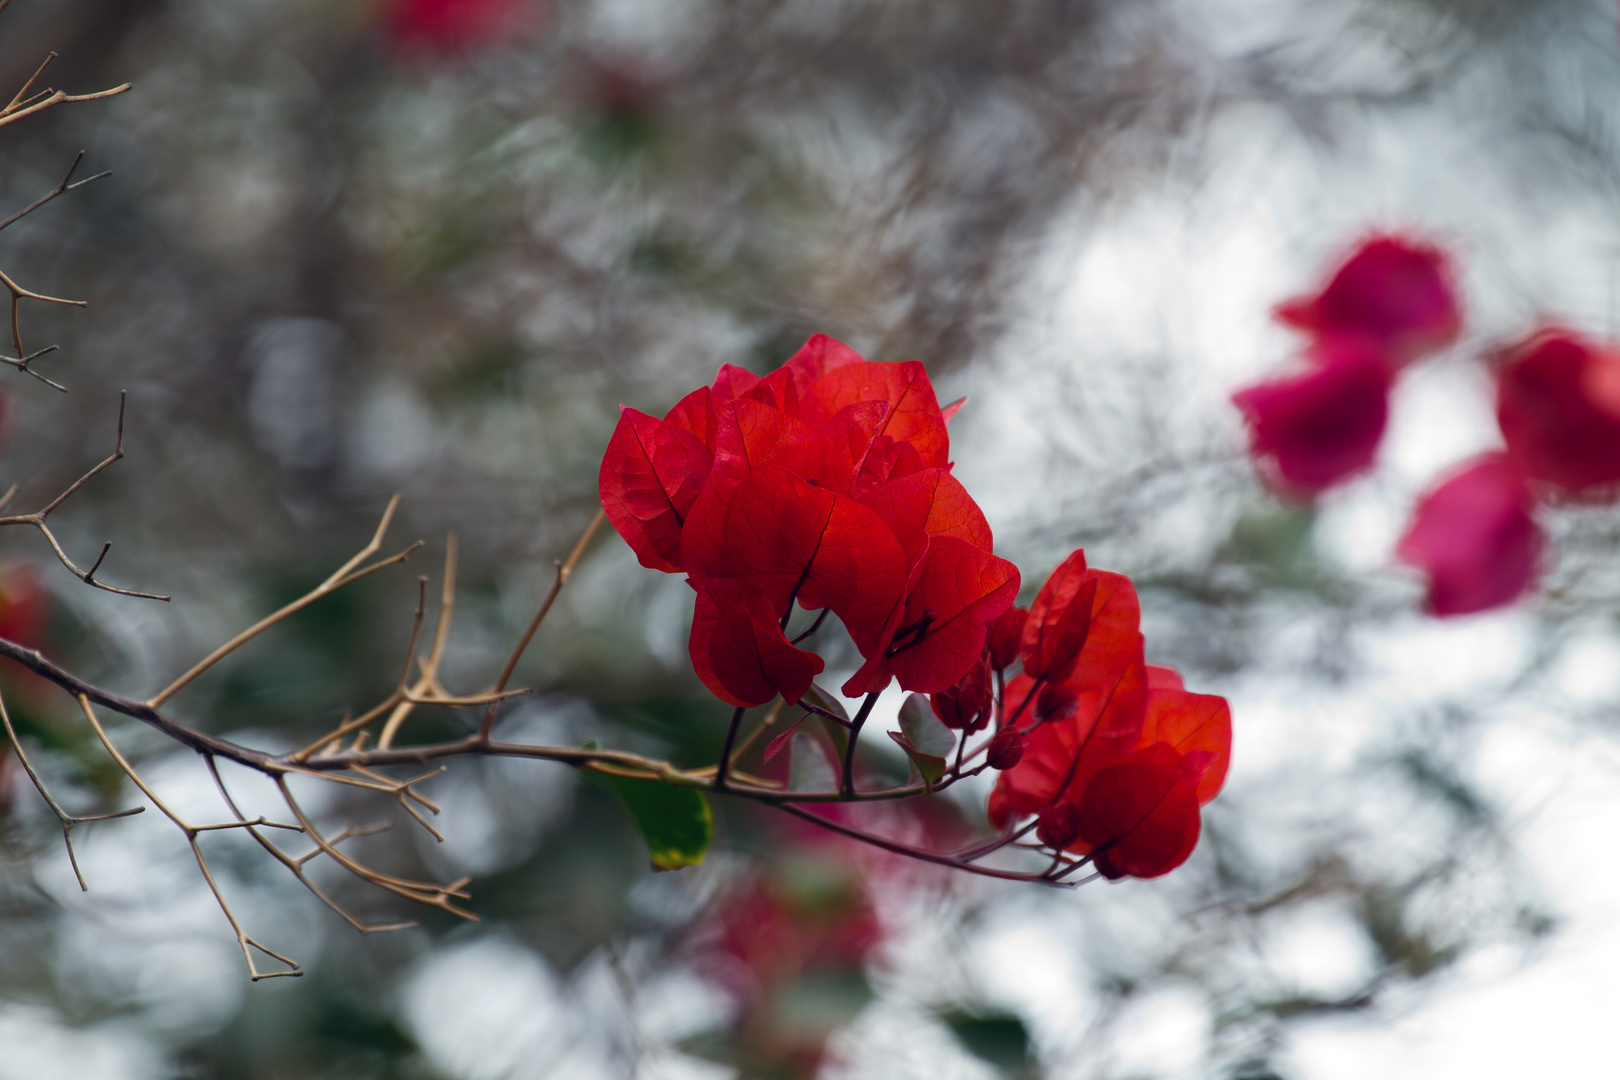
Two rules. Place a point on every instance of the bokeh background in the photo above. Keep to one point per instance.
(429, 247)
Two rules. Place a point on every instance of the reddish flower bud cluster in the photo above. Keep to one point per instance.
(826, 483)
(1111, 756)
(1474, 534)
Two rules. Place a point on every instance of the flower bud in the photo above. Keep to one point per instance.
(1006, 749)
(1058, 826)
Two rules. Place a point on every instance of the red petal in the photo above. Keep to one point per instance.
(1139, 819)
(1005, 633)
(695, 415)
(1558, 406)
(752, 660)
(1059, 620)
(651, 475)
(818, 356)
(1475, 538)
(1197, 726)
(936, 502)
(783, 536)
(960, 589)
(1060, 755)
(1395, 291)
(966, 704)
(1323, 426)
(915, 417)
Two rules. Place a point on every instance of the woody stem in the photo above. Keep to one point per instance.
(725, 751)
(847, 782)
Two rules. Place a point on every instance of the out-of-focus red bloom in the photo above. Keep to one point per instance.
(1558, 402)
(824, 484)
(1315, 429)
(1396, 292)
(1475, 537)
(24, 607)
(452, 26)
(1116, 759)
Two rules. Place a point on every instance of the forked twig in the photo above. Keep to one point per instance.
(565, 570)
(66, 819)
(344, 575)
(38, 519)
(243, 940)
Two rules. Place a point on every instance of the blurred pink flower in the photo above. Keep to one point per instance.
(1558, 402)
(1474, 536)
(1393, 290)
(452, 26)
(1312, 430)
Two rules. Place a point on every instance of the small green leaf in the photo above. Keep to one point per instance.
(926, 741)
(676, 822)
(923, 729)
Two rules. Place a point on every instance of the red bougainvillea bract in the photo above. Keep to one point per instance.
(826, 485)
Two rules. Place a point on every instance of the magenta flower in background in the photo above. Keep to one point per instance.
(1558, 402)
(1396, 291)
(453, 26)
(1312, 430)
(1474, 535)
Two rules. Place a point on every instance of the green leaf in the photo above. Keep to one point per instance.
(676, 822)
(926, 741)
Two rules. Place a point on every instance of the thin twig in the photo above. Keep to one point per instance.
(66, 819)
(344, 575)
(38, 519)
(565, 570)
(243, 940)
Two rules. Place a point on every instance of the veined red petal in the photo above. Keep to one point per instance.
(1059, 620)
(752, 659)
(1197, 726)
(942, 630)
(1006, 631)
(695, 415)
(818, 356)
(914, 417)
(783, 537)
(936, 502)
(651, 475)
(1138, 819)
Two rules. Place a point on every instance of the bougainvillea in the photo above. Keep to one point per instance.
(827, 484)
(1474, 534)
(1389, 303)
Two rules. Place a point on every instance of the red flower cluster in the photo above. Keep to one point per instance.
(1389, 303)
(827, 483)
(1558, 405)
(1474, 534)
(1112, 756)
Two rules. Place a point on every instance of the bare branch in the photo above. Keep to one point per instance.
(60, 189)
(67, 820)
(565, 570)
(344, 575)
(38, 520)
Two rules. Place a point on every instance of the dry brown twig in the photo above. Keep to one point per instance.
(38, 519)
